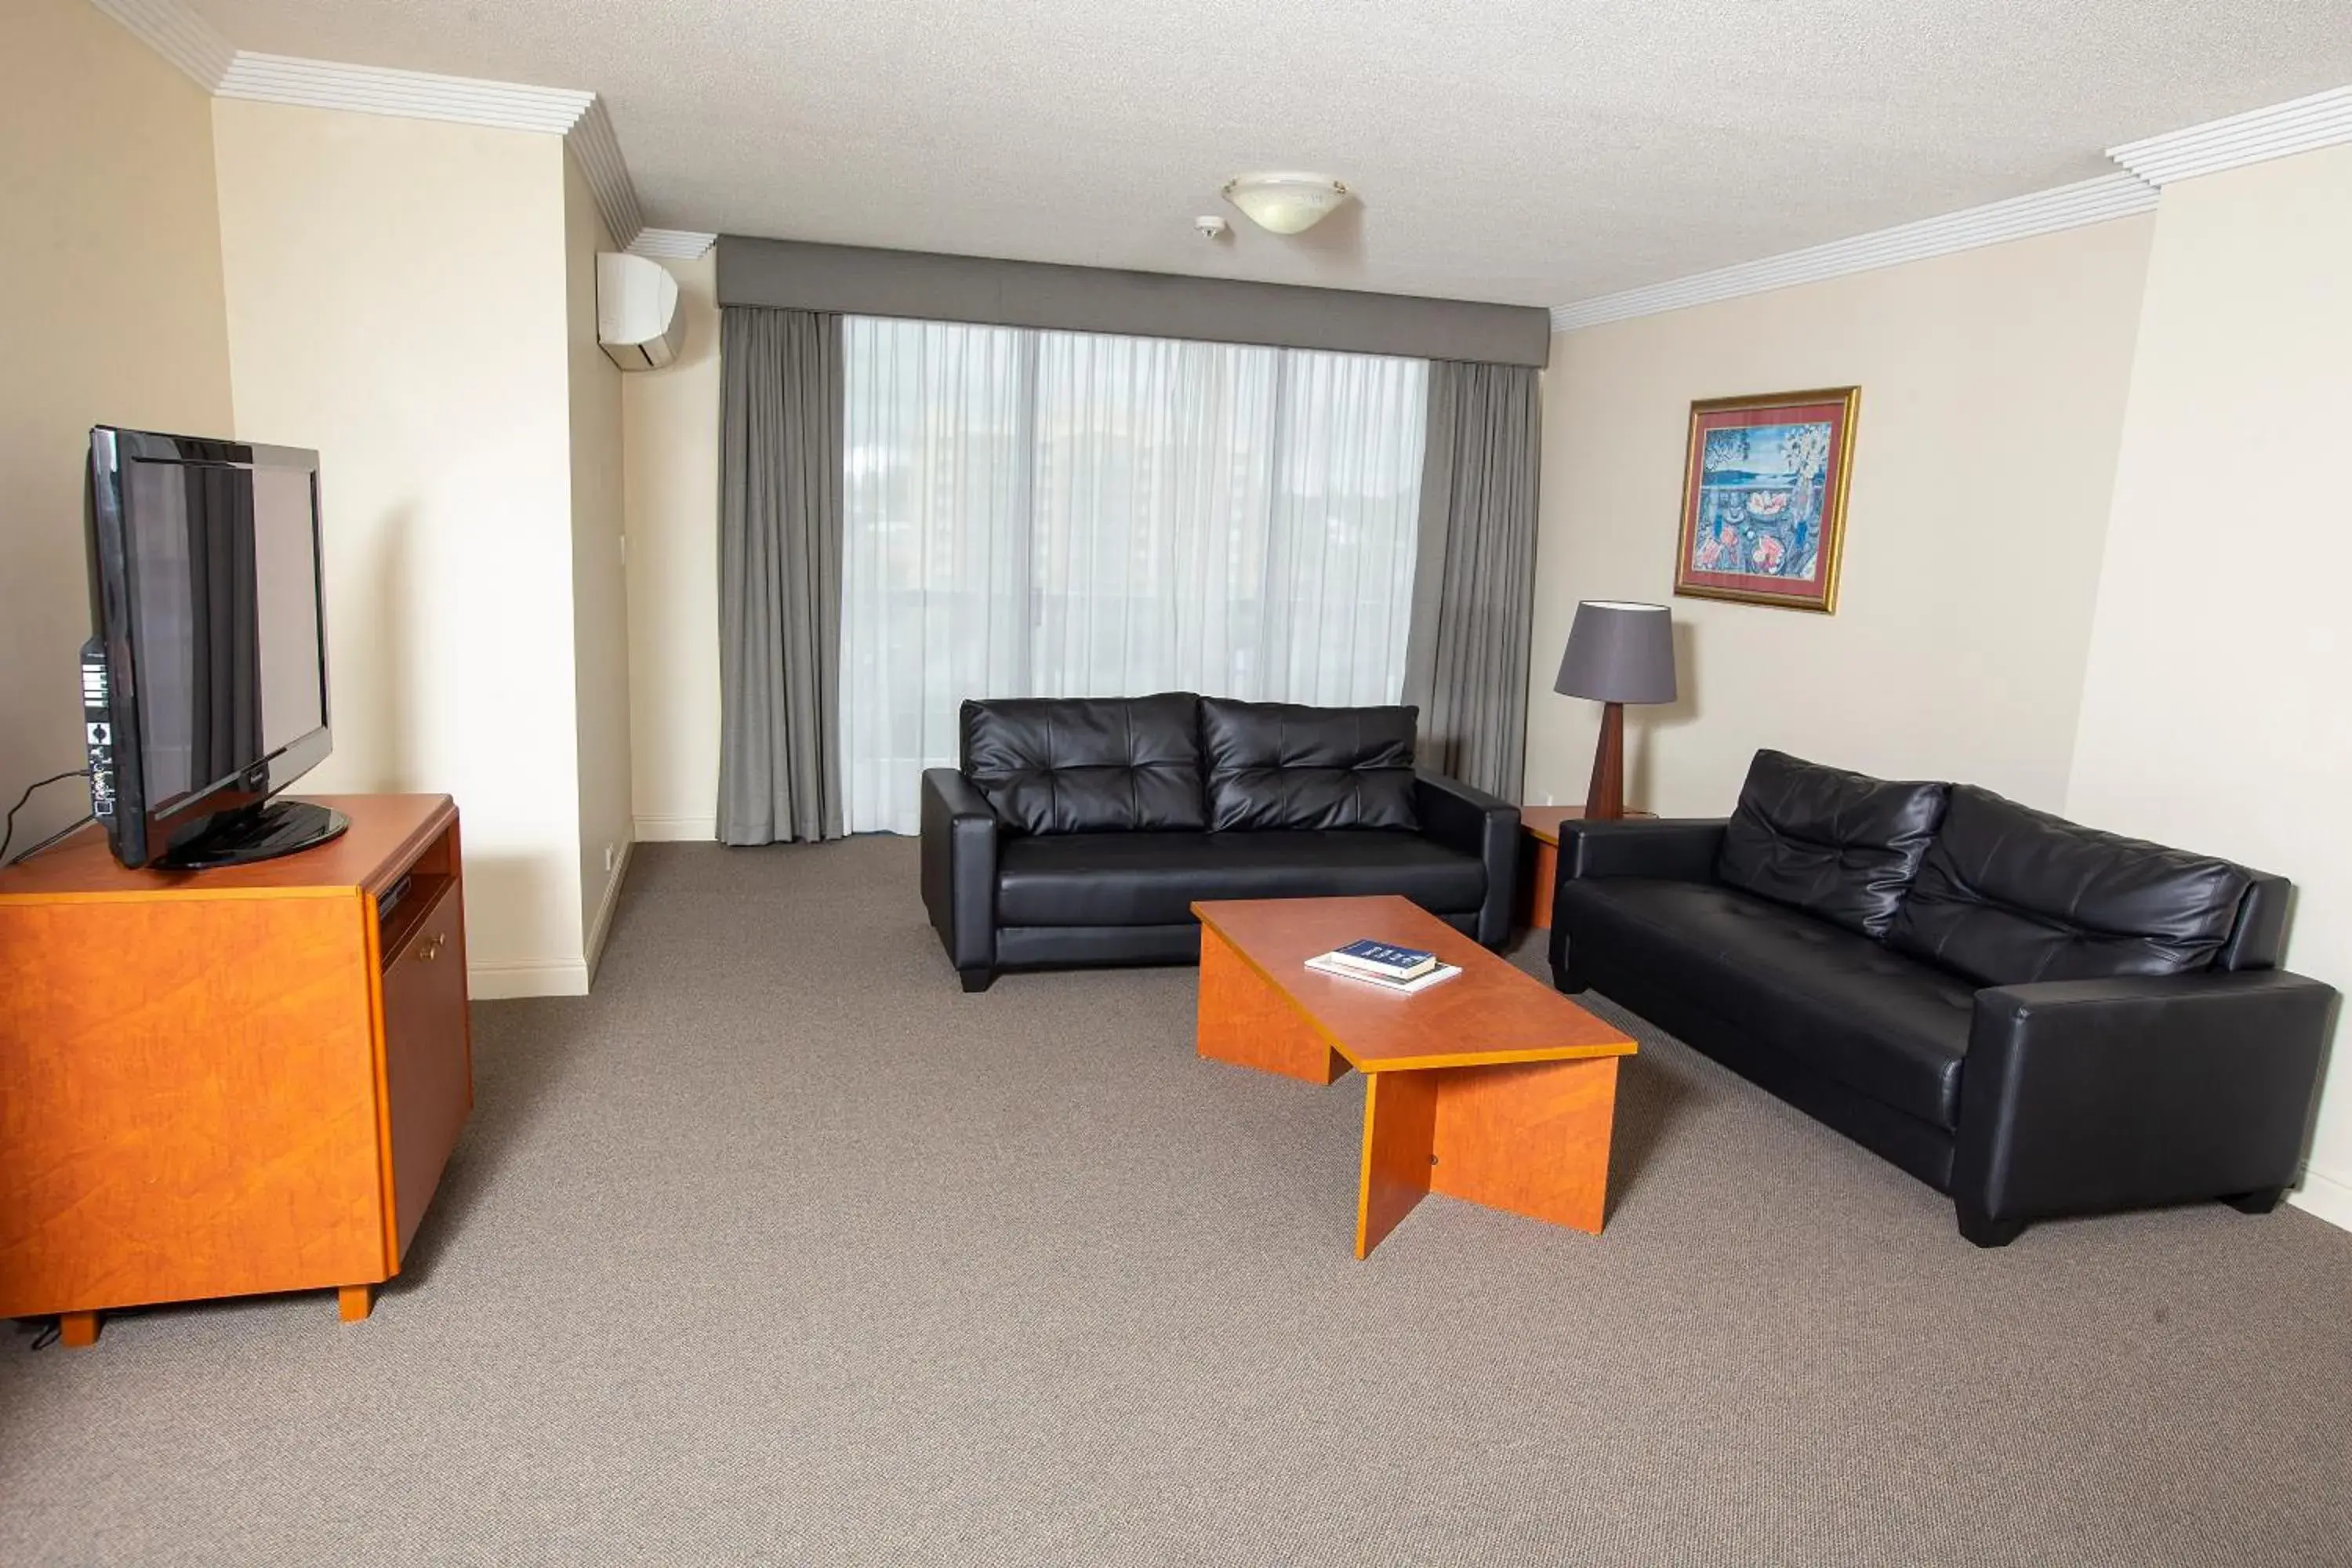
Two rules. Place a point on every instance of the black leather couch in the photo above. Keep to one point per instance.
(2034, 1017)
(1079, 831)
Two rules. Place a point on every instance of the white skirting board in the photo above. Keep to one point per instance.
(557, 977)
(504, 981)
(602, 924)
(2329, 1198)
(677, 829)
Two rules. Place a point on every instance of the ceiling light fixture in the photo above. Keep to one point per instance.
(1286, 203)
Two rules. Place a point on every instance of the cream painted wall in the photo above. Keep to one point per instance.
(2214, 712)
(396, 299)
(111, 309)
(1993, 394)
(670, 423)
(600, 610)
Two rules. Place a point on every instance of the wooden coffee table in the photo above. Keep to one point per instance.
(1490, 1087)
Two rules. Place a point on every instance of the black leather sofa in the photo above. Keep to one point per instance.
(1079, 831)
(2034, 1017)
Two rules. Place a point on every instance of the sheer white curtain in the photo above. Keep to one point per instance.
(1033, 513)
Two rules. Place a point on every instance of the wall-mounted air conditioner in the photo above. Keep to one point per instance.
(637, 319)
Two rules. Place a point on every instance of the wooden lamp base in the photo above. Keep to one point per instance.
(1605, 799)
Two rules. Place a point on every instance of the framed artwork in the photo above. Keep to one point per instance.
(1764, 497)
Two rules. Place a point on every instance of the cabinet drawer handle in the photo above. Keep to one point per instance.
(432, 948)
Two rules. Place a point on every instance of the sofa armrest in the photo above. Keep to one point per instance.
(1475, 822)
(1674, 850)
(2083, 1095)
(960, 869)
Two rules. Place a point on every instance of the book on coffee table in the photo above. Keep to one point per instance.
(1330, 963)
(1385, 959)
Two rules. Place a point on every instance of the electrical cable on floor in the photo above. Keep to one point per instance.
(7, 836)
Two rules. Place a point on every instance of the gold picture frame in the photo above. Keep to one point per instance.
(1764, 497)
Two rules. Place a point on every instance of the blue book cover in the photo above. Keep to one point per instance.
(1386, 958)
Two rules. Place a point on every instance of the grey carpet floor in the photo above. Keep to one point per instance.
(781, 1249)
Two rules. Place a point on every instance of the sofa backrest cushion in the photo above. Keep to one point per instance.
(2009, 895)
(1843, 847)
(1277, 764)
(1085, 764)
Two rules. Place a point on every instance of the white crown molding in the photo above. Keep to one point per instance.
(409, 95)
(2043, 212)
(598, 152)
(186, 40)
(672, 243)
(2301, 125)
(2323, 120)
(189, 42)
(177, 33)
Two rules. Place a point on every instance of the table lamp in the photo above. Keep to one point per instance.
(1617, 653)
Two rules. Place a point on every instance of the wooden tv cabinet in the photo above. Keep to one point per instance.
(222, 1083)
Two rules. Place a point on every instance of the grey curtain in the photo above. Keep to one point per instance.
(1467, 655)
(780, 464)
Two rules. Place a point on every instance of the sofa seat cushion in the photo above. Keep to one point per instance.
(1880, 1024)
(1278, 764)
(2009, 895)
(1151, 878)
(1839, 844)
(1077, 765)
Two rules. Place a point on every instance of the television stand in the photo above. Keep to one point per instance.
(235, 1084)
(250, 833)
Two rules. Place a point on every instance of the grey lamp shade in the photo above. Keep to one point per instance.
(1619, 652)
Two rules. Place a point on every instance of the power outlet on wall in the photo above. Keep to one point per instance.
(611, 858)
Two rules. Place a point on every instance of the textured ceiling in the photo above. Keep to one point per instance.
(1532, 150)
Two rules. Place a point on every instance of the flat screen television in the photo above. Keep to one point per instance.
(205, 681)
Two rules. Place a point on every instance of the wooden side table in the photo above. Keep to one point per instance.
(1539, 859)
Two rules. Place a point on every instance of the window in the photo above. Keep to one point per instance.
(1033, 513)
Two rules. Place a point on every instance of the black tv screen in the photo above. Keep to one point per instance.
(205, 572)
